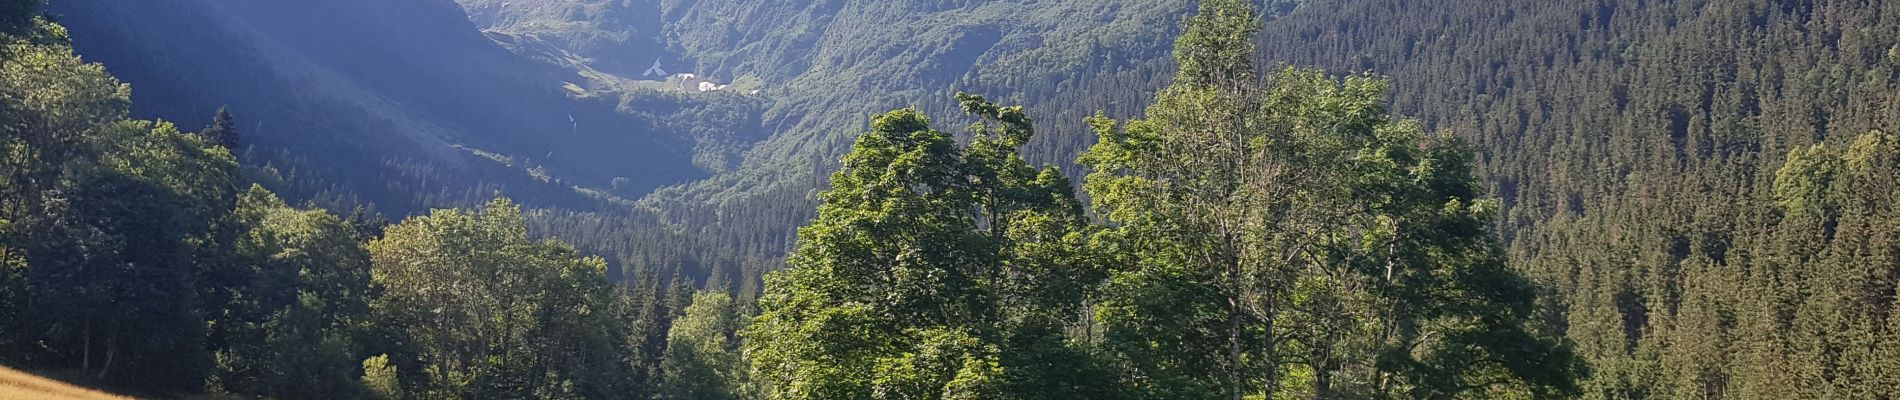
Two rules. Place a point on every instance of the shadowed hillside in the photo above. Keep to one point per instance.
(396, 100)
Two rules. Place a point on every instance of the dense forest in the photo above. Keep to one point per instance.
(1704, 187)
(1329, 199)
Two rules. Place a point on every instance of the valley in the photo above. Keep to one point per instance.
(1606, 199)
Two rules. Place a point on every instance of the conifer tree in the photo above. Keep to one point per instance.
(223, 130)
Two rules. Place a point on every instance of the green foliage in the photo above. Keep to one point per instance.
(927, 274)
(1840, 225)
(223, 130)
(132, 258)
(1217, 46)
(298, 303)
(109, 272)
(372, 131)
(381, 379)
(703, 358)
(825, 65)
(1292, 238)
(1669, 195)
(108, 220)
(492, 313)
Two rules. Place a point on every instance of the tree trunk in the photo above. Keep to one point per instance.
(112, 349)
(1322, 382)
(85, 345)
(1323, 369)
(1389, 326)
(1233, 349)
(1236, 295)
(1273, 363)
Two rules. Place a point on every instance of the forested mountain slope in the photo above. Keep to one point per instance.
(613, 36)
(839, 61)
(1706, 195)
(821, 66)
(1705, 186)
(859, 57)
(404, 102)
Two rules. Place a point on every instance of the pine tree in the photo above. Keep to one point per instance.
(223, 130)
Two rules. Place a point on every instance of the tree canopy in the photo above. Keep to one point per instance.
(933, 271)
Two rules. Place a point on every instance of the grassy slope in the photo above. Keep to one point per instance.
(19, 385)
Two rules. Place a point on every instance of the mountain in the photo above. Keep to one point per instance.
(416, 104)
(1702, 192)
(616, 37)
(823, 65)
(404, 102)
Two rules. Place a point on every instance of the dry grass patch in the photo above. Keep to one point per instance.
(19, 385)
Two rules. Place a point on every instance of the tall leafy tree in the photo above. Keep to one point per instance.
(491, 313)
(111, 269)
(293, 331)
(927, 274)
(55, 105)
(1290, 237)
(107, 221)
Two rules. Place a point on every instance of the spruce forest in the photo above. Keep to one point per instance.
(950, 199)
